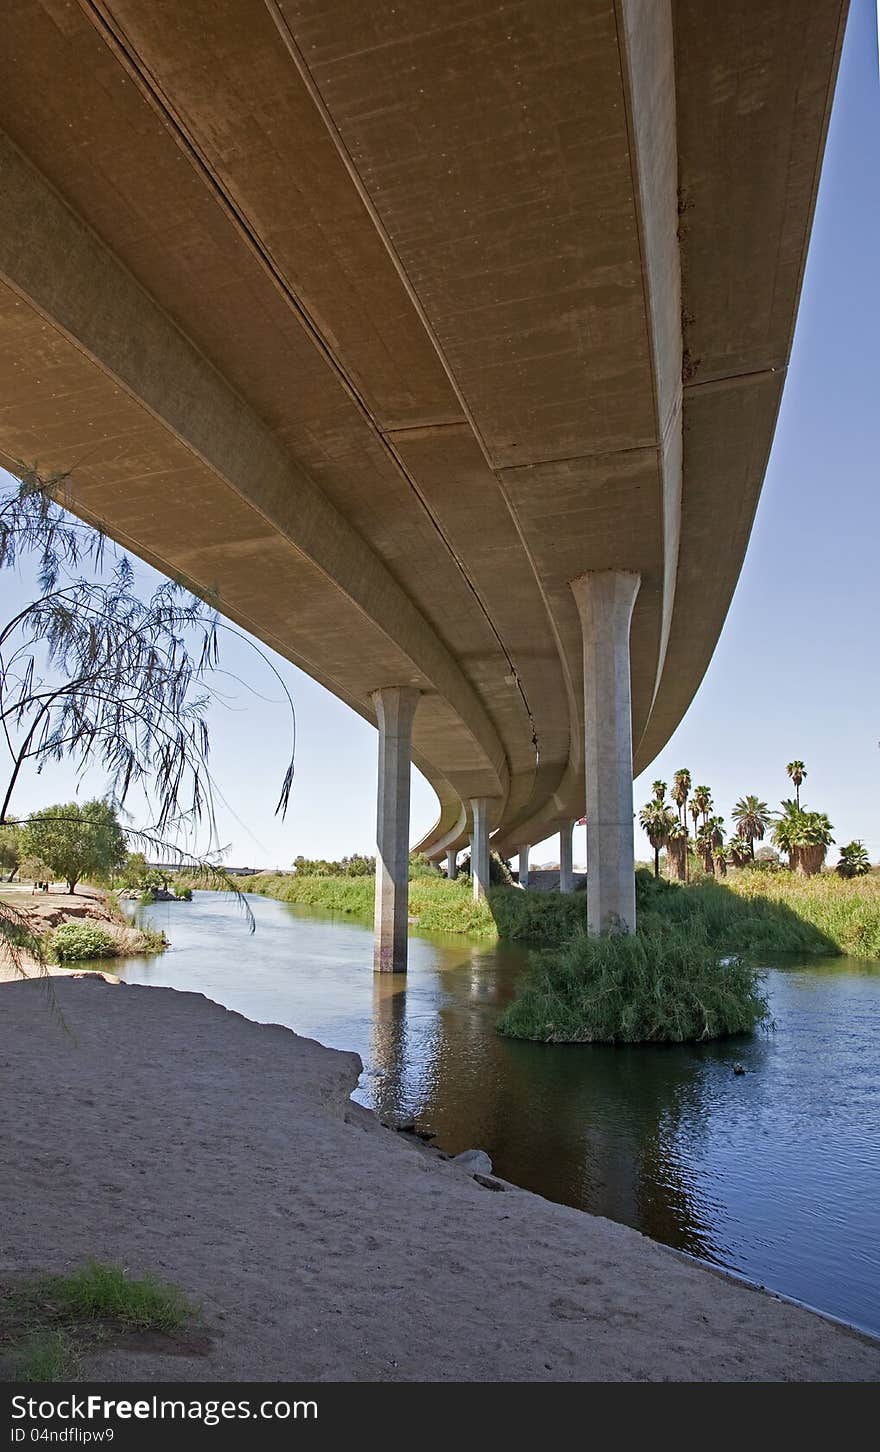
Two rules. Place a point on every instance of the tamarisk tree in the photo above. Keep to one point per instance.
(99, 673)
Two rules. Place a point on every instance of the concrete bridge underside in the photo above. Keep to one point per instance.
(385, 322)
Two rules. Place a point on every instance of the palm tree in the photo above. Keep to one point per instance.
(706, 847)
(752, 817)
(677, 851)
(815, 840)
(804, 836)
(797, 771)
(738, 851)
(854, 860)
(658, 820)
(658, 787)
(703, 799)
(694, 809)
(681, 786)
(719, 859)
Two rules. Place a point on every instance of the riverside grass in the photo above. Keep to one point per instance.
(756, 913)
(437, 905)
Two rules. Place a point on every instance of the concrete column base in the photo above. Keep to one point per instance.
(566, 865)
(395, 710)
(452, 865)
(480, 847)
(524, 866)
(605, 601)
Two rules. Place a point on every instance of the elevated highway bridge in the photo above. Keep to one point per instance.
(441, 340)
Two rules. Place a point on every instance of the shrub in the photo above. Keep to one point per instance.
(75, 942)
(545, 917)
(664, 986)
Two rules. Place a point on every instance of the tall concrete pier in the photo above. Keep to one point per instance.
(566, 861)
(605, 601)
(480, 847)
(395, 711)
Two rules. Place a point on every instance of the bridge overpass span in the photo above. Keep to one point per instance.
(386, 322)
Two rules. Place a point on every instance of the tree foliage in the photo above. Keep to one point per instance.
(854, 860)
(99, 673)
(76, 840)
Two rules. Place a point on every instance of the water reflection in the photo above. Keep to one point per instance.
(773, 1173)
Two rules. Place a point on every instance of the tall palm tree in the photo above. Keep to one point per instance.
(658, 820)
(677, 850)
(681, 786)
(658, 787)
(703, 799)
(797, 771)
(706, 847)
(752, 817)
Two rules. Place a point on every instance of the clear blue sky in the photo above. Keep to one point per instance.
(796, 670)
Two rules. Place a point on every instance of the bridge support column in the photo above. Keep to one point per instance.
(524, 866)
(395, 709)
(480, 847)
(605, 600)
(566, 869)
(451, 865)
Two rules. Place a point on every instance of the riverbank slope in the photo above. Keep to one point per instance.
(42, 912)
(157, 1129)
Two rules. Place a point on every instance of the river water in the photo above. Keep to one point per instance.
(774, 1174)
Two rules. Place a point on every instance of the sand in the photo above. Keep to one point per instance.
(157, 1129)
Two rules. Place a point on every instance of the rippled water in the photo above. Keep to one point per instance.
(775, 1174)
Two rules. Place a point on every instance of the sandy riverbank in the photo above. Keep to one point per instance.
(162, 1131)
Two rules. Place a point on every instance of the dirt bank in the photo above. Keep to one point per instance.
(44, 911)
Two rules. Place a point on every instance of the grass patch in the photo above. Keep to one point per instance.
(97, 1292)
(50, 1322)
(659, 986)
(45, 1356)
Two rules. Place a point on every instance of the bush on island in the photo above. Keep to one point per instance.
(75, 942)
(660, 986)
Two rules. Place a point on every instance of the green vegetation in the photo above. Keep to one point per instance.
(77, 942)
(95, 1291)
(75, 840)
(672, 980)
(355, 866)
(44, 1356)
(438, 906)
(51, 1321)
(665, 985)
(854, 860)
(10, 850)
(804, 836)
(537, 917)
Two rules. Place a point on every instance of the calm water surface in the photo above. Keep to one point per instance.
(775, 1174)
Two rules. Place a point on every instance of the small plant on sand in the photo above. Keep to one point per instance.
(77, 942)
(98, 1292)
(50, 1322)
(44, 1356)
